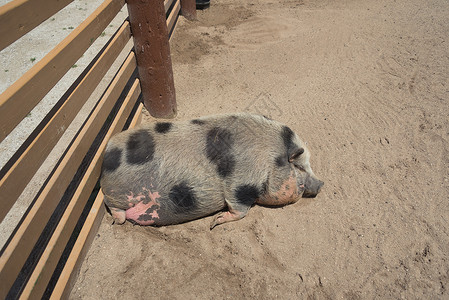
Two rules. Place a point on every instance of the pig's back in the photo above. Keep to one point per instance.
(187, 166)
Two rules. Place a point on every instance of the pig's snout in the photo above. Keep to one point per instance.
(312, 187)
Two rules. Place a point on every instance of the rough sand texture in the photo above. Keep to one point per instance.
(365, 83)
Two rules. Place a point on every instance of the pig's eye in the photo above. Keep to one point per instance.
(299, 168)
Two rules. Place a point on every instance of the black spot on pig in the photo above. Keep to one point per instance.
(197, 122)
(163, 127)
(112, 159)
(225, 167)
(287, 136)
(247, 194)
(140, 147)
(147, 216)
(293, 150)
(219, 144)
(265, 186)
(183, 196)
(281, 160)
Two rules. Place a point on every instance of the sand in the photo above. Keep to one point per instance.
(365, 83)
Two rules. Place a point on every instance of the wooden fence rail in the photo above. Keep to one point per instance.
(42, 256)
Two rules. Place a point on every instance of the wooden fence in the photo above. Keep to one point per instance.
(42, 256)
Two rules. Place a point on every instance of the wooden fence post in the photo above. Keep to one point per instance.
(188, 9)
(150, 34)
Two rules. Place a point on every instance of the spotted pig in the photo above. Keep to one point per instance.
(172, 172)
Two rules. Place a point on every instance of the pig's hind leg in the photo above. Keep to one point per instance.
(239, 201)
(118, 214)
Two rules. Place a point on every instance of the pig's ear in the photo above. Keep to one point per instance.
(295, 154)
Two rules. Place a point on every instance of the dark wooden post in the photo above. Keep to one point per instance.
(188, 9)
(150, 34)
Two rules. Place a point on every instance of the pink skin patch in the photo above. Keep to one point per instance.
(140, 212)
(118, 215)
(287, 193)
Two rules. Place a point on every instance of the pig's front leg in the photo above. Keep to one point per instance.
(239, 201)
(227, 216)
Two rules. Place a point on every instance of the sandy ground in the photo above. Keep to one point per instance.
(365, 83)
